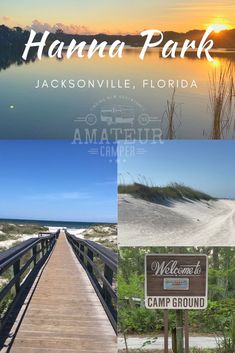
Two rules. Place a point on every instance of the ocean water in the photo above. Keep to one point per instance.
(52, 224)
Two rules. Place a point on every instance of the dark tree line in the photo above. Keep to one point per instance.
(12, 43)
(13, 40)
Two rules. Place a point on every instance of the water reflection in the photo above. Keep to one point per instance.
(13, 57)
(179, 112)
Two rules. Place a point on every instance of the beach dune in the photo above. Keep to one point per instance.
(176, 223)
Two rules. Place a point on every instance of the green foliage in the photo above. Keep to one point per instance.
(7, 276)
(216, 319)
(16, 229)
(133, 288)
(105, 234)
(5, 304)
(160, 194)
(227, 343)
(137, 319)
(213, 319)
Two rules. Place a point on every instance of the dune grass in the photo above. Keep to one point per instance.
(158, 194)
(222, 93)
(170, 115)
(15, 228)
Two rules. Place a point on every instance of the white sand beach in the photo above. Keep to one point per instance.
(98, 233)
(7, 244)
(177, 223)
(75, 231)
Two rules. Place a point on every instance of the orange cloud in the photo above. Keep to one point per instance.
(6, 18)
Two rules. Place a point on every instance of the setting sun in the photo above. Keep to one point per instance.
(218, 27)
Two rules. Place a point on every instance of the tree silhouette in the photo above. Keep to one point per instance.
(59, 31)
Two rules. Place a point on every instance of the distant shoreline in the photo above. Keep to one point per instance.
(66, 224)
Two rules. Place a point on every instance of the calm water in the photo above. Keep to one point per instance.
(26, 112)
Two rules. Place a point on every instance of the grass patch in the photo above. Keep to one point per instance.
(7, 236)
(11, 231)
(161, 194)
(15, 229)
(110, 245)
(105, 234)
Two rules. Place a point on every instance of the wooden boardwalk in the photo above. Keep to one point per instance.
(64, 313)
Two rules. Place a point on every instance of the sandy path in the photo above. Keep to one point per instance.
(197, 342)
(188, 223)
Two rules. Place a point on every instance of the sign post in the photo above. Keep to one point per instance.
(186, 331)
(179, 331)
(166, 333)
(179, 282)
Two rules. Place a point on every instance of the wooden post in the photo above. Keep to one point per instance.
(179, 331)
(166, 331)
(49, 245)
(174, 348)
(179, 321)
(35, 255)
(43, 248)
(16, 270)
(90, 255)
(186, 331)
(108, 274)
(81, 255)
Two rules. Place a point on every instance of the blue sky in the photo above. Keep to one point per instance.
(55, 180)
(208, 166)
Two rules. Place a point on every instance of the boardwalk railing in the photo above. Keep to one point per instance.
(47, 234)
(18, 266)
(100, 264)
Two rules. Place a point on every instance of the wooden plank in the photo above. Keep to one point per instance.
(64, 314)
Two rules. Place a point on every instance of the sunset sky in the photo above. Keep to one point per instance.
(117, 16)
